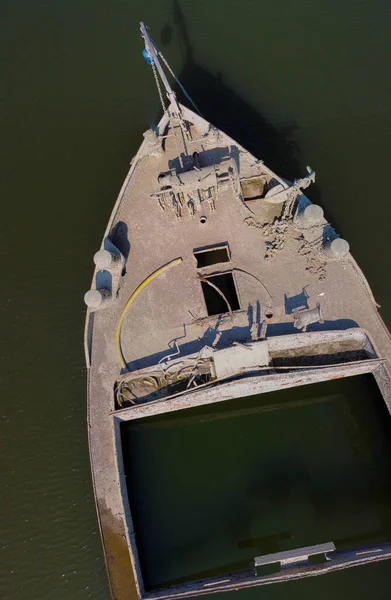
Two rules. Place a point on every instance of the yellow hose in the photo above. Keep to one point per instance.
(130, 301)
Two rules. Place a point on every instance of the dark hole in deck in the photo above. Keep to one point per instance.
(205, 258)
(323, 359)
(215, 303)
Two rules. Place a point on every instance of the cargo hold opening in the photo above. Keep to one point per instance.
(215, 303)
(212, 256)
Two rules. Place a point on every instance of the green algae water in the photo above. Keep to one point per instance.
(212, 488)
(296, 83)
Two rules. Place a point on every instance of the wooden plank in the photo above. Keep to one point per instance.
(298, 554)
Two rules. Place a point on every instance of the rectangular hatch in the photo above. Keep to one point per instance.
(215, 302)
(212, 256)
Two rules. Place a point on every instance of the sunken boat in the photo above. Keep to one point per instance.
(216, 280)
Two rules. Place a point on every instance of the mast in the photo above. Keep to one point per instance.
(151, 50)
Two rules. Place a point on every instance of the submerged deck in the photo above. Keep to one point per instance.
(271, 270)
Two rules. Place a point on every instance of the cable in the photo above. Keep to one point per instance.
(218, 291)
(179, 83)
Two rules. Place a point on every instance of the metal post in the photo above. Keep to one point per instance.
(150, 48)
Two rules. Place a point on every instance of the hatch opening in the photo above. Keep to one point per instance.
(254, 188)
(215, 303)
(211, 256)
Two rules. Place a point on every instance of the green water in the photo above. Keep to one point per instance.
(296, 82)
(212, 488)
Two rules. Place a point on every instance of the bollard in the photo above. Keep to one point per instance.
(95, 299)
(303, 318)
(311, 215)
(336, 248)
(104, 259)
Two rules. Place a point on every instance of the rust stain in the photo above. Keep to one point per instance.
(119, 566)
(182, 405)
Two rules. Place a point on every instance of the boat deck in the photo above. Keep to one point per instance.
(173, 306)
(149, 233)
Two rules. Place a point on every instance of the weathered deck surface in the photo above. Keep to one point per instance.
(151, 237)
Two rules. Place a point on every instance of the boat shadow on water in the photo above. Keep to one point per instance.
(228, 111)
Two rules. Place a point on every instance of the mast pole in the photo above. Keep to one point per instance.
(150, 48)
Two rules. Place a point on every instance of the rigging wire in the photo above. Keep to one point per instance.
(179, 83)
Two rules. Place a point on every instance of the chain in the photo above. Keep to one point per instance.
(158, 87)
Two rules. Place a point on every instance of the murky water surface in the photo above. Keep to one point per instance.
(297, 83)
(211, 488)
